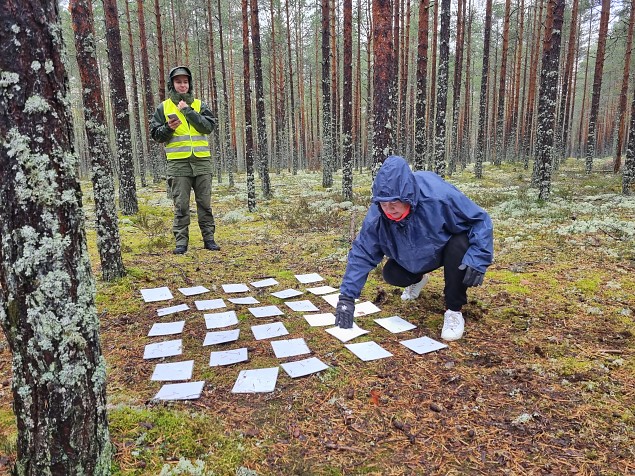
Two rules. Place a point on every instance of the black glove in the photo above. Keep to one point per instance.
(472, 277)
(344, 312)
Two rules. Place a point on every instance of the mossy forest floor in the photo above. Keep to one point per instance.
(542, 383)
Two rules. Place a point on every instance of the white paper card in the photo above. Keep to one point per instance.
(423, 345)
(244, 300)
(289, 348)
(180, 391)
(332, 299)
(395, 324)
(325, 319)
(309, 278)
(266, 311)
(322, 290)
(235, 288)
(173, 371)
(227, 357)
(346, 334)
(268, 331)
(365, 308)
(304, 367)
(302, 306)
(163, 349)
(264, 283)
(287, 293)
(194, 290)
(256, 380)
(209, 304)
(220, 337)
(368, 350)
(166, 328)
(156, 294)
(171, 310)
(220, 319)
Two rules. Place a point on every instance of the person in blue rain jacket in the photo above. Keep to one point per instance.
(420, 223)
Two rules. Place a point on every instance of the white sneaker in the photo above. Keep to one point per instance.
(412, 292)
(453, 325)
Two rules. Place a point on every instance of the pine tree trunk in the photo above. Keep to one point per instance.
(108, 243)
(547, 96)
(214, 93)
(421, 95)
(482, 115)
(47, 294)
(562, 125)
(327, 137)
(383, 83)
(628, 173)
(118, 97)
(500, 117)
(292, 106)
(442, 92)
(347, 100)
(456, 85)
(433, 85)
(249, 137)
(597, 84)
(157, 17)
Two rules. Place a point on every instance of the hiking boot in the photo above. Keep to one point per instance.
(180, 249)
(412, 291)
(211, 245)
(453, 325)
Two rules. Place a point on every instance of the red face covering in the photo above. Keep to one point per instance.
(405, 214)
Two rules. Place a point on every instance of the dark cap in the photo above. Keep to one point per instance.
(179, 71)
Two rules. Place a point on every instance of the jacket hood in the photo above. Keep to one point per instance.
(178, 71)
(395, 181)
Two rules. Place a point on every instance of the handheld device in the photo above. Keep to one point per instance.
(173, 116)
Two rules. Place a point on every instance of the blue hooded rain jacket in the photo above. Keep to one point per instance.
(438, 210)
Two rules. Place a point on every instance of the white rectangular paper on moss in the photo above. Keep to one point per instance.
(316, 320)
(309, 278)
(395, 324)
(256, 380)
(235, 288)
(264, 283)
(287, 293)
(365, 308)
(289, 348)
(156, 294)
(266, 311)
(180, 391)
(346, 334)
(220, 319)
(244, 300)
(166, 328)
(368, 350)
(302, 306)
(332, 299)
(173, 371)
(269, 331)
(209, 304)
(220, 337)
(322, 290)
(172, 309)
(194, 290)
(423, 345)
(227, 357)
(167, 348)
(300, 368)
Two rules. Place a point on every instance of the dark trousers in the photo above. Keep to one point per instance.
(181, 188)
(455, 291)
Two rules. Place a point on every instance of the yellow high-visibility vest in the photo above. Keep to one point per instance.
(186, 139)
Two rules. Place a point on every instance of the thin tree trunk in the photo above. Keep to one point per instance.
(294, 134)
(108, 242)
(127, 187)
(230, 144)
(628, 173)
(157, 17)
(347, 100)
(327, 137)
(565, 96)
(597, 84)
(442, 93)
(47, 292)
(621, 113)
(422, 68)
(456, 85)
(482, 116)
(249, 138)
(433, 85)
(500, 133)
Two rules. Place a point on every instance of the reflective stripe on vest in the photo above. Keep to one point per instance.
(186, 139)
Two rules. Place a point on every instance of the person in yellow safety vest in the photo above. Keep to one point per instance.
(181, 123)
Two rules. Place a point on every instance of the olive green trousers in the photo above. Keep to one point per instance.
(180, 189)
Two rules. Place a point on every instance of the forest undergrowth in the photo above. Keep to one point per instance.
(542, 383)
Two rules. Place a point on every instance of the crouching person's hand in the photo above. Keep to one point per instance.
(344, 312)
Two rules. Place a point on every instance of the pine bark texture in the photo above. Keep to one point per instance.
(261, 129)
(500, 115)
(108, 242)
(249, 134)
(442, 91)
(384, 101)
(621, 113)
(47, 294)
(567, 92)
(118, 97)
(548, 96)
(597, 84)
(482, 112)
(628, 174)
(421, 93)
(327, 137)
(347, 102)
(292, 106)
